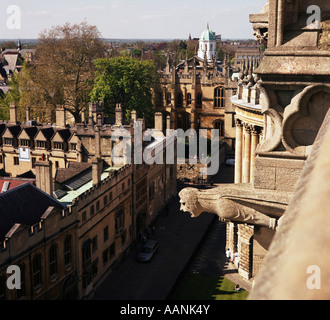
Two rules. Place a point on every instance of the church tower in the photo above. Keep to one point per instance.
(207, 45)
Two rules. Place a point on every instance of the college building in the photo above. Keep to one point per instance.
(69, 211)
(276, 212)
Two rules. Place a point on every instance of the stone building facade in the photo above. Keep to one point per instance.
(247, 53)
(280, 107)
(196, 92)
(105, 205)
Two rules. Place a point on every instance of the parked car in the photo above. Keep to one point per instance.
(148, 251)
(230, 162)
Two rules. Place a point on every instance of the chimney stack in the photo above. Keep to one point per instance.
(98, 127)
(97, 167)
(44, 177)
(119, 115)
(13, 113)
(60, 117)
(134, 116)
(28, 114)
(159, 121)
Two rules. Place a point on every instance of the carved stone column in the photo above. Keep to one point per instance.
(168, 122)
(254, 144)
(247, 153)
(238, 152)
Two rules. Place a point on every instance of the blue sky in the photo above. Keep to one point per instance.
(143, 19)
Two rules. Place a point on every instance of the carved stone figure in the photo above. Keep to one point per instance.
(234, 203)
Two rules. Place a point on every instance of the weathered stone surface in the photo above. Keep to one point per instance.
(265, 178)
(324, 42)
(237, 203)
(277, 174)
(302, 238)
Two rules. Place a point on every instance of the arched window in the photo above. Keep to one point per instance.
(36, 271)
(199, 102)
(22, 291)
(86, 263)
(219, 124)
(168, 98)
(219, 97)
(68, 250)
(179, 100)
(188, 99)
(53, 266)
(119, 223)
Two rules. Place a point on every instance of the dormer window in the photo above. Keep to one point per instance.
(8, 141)
(73, 146)
(41, 144)
(25, 143)
(58, 145)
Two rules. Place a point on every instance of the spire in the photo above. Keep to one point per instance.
(168, 66)
(186, 64)
(19, 45)
(208, 27)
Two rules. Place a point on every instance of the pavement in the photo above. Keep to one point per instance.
(179, 237)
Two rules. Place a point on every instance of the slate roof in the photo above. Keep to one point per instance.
(27, 175)
(74, 168)
(24, 205)
(65, 134)
(48, 133)
(2, 128)
(31, 131)
(14, 130)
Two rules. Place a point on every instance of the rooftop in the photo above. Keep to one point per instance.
(207, 35)
(7, 184)
(244, 104)
(70, 195)
(23, 205)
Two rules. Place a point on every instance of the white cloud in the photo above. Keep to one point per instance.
(155, 16)
(37, 13)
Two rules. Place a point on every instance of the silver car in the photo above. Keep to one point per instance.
(148, 251)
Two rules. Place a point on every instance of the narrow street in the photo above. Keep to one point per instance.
(180, 238)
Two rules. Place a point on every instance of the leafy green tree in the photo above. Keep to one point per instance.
(127, 81)
(12, 96)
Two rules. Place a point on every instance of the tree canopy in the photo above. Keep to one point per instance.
(127, 81)
(62, 70)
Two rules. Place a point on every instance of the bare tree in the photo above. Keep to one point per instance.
(62, 70)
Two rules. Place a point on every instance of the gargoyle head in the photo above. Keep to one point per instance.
(190, 203)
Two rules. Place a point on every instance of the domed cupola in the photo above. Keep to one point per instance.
(207, 45)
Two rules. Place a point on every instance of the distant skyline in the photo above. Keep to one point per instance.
(128, 19)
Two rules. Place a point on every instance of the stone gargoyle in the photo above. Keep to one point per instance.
(239, 203)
